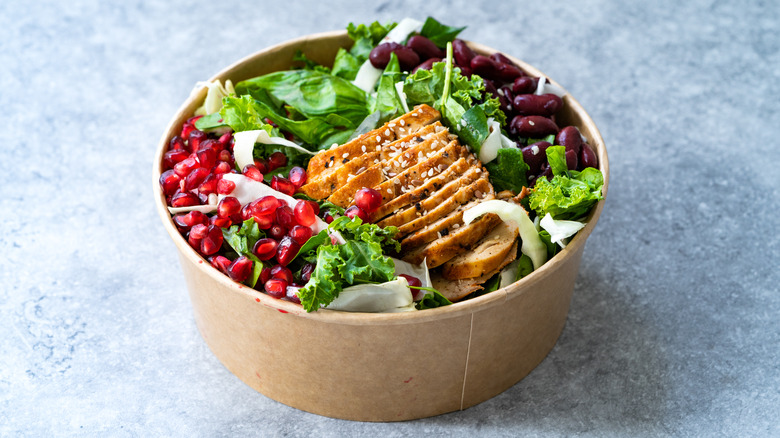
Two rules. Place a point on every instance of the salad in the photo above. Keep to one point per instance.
(251, 180)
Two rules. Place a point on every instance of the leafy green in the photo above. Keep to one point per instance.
(308, 64)
(359, 260)
(242, 238)
(387, 101)
(570, 194)
(508, 170)
(345, 65)
(209, 122)
(524, 266)
(366, 37)
(242, 114)
(439, 33)
(432, 299)
(552, 248)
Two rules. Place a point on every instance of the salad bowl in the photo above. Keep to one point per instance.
(377, 367)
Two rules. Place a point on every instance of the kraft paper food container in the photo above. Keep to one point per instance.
(378, 367)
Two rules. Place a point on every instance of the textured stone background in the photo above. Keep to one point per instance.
(674, 326)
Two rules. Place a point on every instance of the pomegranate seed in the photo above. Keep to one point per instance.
(266, 205)
(195, 178)
(224, 155)
(193, 119)
(282, 273)
(306, 272)
(207, 157)
(229, 207)
(240, 269)
(185, 221)
(196, 137)
(213, 240)
(264, 221)
(209, 185)
(184, 167)
(246, 211)
(175, 156)
(265, 274)
(184, 199)
(262, 165)
(285, 217)
(195, 235)
(265, 248)
(176, 143)
(277, 160)
(222, 222)
(368, 199)
(292, 294)
(282, 184)
(297, 176)
(186, 130)
(222, 167)
(225, 139)
(286, 251)
(169, 181)
(413, 281)
(354, 211)
(304, 214)
(328, 218)
(315, 207)
(211, 144)
(277, 232)
(301, 234)
(276, 288)
(220, 263)
(251, 171)
(225, 187)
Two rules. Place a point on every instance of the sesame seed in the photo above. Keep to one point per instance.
(531, 122)
(456, 226)
(361, 170)
(378, 138)
(345, 155)
(378, 148)
(392, 125)
(438, 233)
(500, 92)
(414, 114)
(389, 191)
(350, 176)
(402, 122)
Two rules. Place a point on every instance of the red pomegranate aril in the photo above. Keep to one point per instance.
(413, 281)
(328, 218)
(262, 165)
(277, 160)
(225, 139)
(265, 274)
(282, 273)
(193, 119)
(220, 263)
(304, 214)
(265, 248)
(225, 186)
(266, 205)
(222, 167)
(264, 221)
(169, 182)
(246, 211)
(212, 242)
(196, 137)
(356, 211)
(209, 185)
(276, 288)
(207, 157)
(229, 207)
(297, 176)
(195, 178)
(251, 171)
(368, 199)
(184, 167)
(285, 217)
(186, 130)
(282, 184)
(292, 294)
(225, 155)
(176, 143)
(286, 251)
(221, 222)
(315, 207)
(277, 232)
(306, 272)
(172, 157)
(240, 269)
(301, 234)
(184, 199)
(195, 235)
(185, 221)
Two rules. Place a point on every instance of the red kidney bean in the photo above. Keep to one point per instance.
(485, 67)
(427, 64)
(380, 56)
(533, 126)
(424, 47)
(535, 156)
(465, 71)
(508, 72)
(490, 87)
(462, 53)
(525, 85)
(571, 160)
(505, 97)
(571, 138)
(407, 57)
(533, 105)
(501, 59)
(588, 157)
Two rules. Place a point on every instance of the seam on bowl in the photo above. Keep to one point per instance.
(466, 368)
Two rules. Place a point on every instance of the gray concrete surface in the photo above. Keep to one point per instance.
(674, 327)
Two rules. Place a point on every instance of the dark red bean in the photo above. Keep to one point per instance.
(485, 67)
(466, 71)
(500, 58)
(462, 53)
(427, 64)
(571, 160)
(570, 138)
(588, 157)
(490, 87)
(525, 85)
(424, 47)
(380, 55)
(533, 126)
(508, 72)
(505, 97)
(535, 156)
(533, 105)
(407, 57)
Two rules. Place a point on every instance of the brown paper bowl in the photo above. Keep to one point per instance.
(378, 367)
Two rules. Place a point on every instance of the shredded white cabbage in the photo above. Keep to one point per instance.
(560, 230)
(391, 296)
(244, 145)
(216, 91)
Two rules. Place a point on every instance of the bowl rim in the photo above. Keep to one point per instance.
(457, 309)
